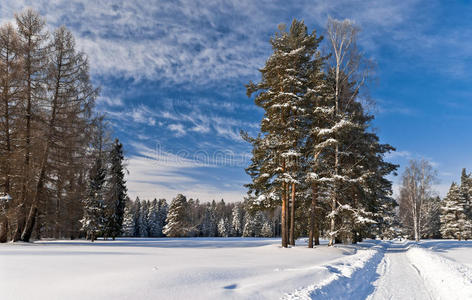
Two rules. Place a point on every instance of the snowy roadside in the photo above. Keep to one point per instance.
(351, 276)
(446, 278)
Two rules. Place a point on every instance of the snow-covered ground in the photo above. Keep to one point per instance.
(234, 268)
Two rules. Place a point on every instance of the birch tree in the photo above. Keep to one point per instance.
(350, 69)
(417, 181)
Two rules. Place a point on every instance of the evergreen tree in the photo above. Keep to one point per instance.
(237, 219)
(466, 191)
(144, 228)
(138, 218)
(93, 220)
(209, 226)
(274, 169)
(162, 215)
(249, 226)
(431, 223)
(223, 227)
(153, 219)
(266, 230)
(454, 222)
(177, 218)
(116, 191)
(128, 220)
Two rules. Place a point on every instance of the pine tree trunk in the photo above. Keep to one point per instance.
(20, 221)
(317, 233)
(287, 217)
(292, 217)
(284, 213)
(312, 217)
(4, 230)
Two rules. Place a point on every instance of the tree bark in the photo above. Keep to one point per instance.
(284, 211)
(4, 229)
(312, 216)
(292, 217)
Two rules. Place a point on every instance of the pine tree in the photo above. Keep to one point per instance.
(274, 169)
(237, 218)
(93, 220)
(138, 218)
(223, 227)
(162, 215)
(466, 191)
(153, 219)
(454, 221)
(116, 191)
(209, 226)
(177, 218)
(249, 226)
(128, 219)
(144, 228)
(266, 230)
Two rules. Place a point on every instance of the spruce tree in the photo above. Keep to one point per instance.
(177, 218)
(223, 227)
(93, 220)
(128, 220)
(153, 219)
(144, 228)
(138, 218)
(266, 230)
(466, 191)
(116, 191)
(209, 226)
(237, 219)
(454, 221)
(162, 215)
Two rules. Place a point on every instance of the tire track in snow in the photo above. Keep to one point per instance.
(398, 277)
(350, 277)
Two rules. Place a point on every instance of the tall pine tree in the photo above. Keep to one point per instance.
(93, 220)
(116, 191)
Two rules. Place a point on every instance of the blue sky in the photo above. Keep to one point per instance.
(172, 75)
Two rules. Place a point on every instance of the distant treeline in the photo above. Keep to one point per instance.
(190, 218)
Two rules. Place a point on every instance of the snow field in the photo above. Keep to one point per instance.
(234, 268)
(187, 268)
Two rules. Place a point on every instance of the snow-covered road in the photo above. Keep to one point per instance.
(399, 278)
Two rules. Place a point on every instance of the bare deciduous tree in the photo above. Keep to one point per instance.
(416, 189)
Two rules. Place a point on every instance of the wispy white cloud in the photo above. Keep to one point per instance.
(110, 101)
(158, 173)
(398, 154)
(178, 129)
(205, 41)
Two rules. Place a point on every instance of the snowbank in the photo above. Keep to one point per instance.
(448, 279)
(350, 276)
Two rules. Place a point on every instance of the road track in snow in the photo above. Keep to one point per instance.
(399, 278)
